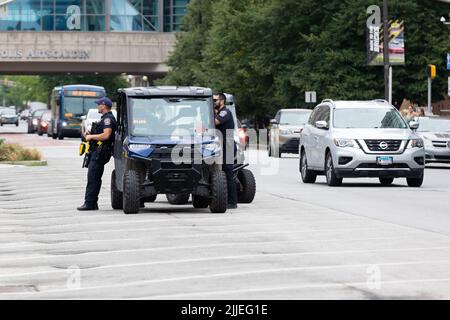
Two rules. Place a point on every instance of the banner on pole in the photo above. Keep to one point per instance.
(396, 44)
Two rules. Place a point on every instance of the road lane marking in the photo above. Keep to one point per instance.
(244, 273)
(238, 257)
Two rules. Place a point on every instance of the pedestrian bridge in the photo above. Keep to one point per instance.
(85, 52)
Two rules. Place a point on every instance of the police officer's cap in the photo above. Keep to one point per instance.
(104, 100)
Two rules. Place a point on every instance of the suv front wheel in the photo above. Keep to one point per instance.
(415, 182)
(330, 174)
(308, 176)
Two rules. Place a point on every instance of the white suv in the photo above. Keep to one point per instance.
(351, 139)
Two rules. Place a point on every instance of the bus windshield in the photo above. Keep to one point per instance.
(78, 106)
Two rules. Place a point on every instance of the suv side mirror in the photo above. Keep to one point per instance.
(83, 117)
(273, 121)
(414, 125)
(322, 125)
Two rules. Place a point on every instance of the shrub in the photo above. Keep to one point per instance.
(15, 152)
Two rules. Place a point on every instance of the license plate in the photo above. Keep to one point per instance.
(385, 161)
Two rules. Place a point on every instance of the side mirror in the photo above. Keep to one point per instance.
(414, 125)
(322, 125)
(83, 117)
(273, 121)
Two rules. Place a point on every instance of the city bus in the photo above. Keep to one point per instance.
(68, 104)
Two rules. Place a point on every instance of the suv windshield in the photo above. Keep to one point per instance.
(368, 118)
(294, 118)
(8, 112)
(78, 106)
(170, 116)
(433, 125)
(38, 113)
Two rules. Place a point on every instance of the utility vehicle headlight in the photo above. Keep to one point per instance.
(139, 147)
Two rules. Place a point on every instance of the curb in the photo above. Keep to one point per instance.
(32, 163)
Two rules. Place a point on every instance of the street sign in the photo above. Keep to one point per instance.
(310, 97)
(448, 61)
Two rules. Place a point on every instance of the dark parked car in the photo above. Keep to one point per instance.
(43, 123)
(25, 114)
(33, 121)
(9, 116)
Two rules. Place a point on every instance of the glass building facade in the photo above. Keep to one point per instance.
(92, 15)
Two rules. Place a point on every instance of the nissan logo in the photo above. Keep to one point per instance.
(383, 145)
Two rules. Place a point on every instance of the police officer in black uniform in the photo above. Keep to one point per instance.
(100, 156)
(225, 124)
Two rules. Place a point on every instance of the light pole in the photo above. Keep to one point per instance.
(386, 48)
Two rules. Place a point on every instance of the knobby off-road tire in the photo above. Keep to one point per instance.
(246, 193)
(116, 195)
(219, 192)
(131, 192)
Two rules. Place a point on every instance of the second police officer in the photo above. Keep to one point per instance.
(105, 134)
(225, 124)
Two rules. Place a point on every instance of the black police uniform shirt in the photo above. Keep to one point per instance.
(225, 117)
(108, 121)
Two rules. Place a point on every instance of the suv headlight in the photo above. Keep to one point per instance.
(139, 147)
(285, 131)
(346, 143)
(415, 143)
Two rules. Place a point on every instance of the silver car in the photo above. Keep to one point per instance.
(435, 132)
(9, 116)
(284, 134)
(351, 139)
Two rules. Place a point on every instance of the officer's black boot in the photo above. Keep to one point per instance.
(87, 207)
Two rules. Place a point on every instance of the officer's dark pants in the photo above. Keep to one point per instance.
(94, 181)
(227, 167)
(231, 184)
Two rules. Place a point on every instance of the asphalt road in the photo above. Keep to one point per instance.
(295, 241)
(426, 208)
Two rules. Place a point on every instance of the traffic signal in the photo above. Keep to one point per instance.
(431, 71)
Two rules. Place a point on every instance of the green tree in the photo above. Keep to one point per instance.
(269, 52)
(186, 61)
